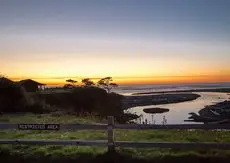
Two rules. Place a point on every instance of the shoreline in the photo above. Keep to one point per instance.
(134, 101)
(217, 113)
(220, 90)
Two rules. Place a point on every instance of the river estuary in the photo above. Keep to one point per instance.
(180, 111)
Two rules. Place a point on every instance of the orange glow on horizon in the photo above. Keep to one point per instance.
(139, 80)
(126, 70)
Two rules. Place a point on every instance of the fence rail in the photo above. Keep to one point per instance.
(4, 126)
(24, 126)
(173, 126)
(179, 145)
(55, 142)
(110, 143)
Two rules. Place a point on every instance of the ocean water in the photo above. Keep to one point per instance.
(130, 89)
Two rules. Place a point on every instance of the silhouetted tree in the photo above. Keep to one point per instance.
(87, 82)
(106, 84)
(72, 82)
(68, 86)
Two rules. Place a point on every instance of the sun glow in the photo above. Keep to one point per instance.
(123, 70)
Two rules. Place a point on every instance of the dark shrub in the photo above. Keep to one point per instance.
(87, 100)
(12, 98)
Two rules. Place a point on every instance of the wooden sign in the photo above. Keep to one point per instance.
(39, 126)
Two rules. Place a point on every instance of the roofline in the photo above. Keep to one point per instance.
(40, 84)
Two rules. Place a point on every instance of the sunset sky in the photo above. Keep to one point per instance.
(134, 41)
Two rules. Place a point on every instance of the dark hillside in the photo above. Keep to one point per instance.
(87, 100)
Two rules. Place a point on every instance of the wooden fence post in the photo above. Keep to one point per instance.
(111, 147)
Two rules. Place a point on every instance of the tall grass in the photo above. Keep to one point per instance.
(120, 135)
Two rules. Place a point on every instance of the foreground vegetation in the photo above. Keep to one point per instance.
(74, 152)
(78, 100)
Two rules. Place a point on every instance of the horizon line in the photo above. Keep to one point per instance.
(115, 77)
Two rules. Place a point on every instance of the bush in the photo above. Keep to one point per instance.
(14, 99)
(88, 100)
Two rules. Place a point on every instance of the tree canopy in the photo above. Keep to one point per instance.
(107, 84)
(72, 82)
(87, 82)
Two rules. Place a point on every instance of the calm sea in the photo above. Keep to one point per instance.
(129, 89)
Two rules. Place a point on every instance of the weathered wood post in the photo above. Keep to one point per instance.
(111, 147)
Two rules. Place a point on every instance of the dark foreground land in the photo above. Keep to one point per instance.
(69, 154)
(217, 113)
(116, 157)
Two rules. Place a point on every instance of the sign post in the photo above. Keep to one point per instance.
(111, 146)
